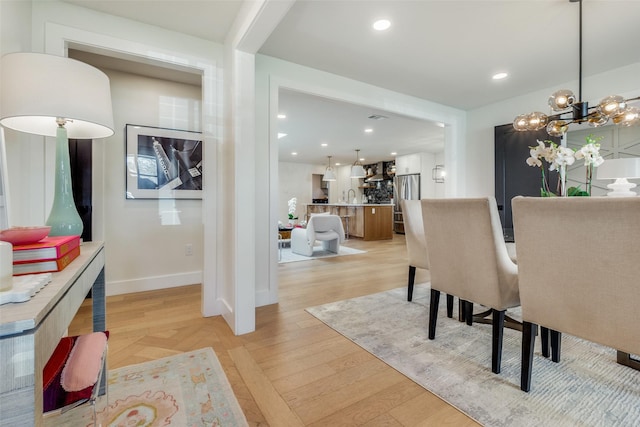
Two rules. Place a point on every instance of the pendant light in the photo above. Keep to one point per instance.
(329, 174)
(357, 171)
(565, 103)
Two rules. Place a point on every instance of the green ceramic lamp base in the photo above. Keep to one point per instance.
(63, 218)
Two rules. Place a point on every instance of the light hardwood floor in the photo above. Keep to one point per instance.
(293, 370)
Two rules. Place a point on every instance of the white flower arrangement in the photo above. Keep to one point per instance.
(292, 208)
(559, 158)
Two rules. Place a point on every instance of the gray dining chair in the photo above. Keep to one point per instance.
(417, 246)
(578, 271)
(468, 258)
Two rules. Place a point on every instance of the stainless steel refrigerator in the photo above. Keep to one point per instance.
(405, 187)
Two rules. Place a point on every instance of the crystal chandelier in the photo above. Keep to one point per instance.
(569, 109)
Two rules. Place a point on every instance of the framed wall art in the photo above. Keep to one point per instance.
(163, 163)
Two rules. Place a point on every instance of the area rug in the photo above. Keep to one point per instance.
(318, 252)
(189, 389)
(587, 387)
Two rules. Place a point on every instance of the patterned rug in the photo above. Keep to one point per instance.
(189, 389)
(318, 252)
(587, 387)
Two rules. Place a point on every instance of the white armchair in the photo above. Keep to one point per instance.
(326, 228)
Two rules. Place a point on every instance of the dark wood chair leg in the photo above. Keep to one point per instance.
(468, 312)
(433, 312)
(556, 339)
(529, 331)
(544, 340)
(461, 307)
(496, 348)
(412, 278)
(449, 306)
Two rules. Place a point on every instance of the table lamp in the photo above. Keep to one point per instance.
(56, 96)
(620, 170)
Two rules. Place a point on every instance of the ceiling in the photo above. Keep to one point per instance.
(442, 51)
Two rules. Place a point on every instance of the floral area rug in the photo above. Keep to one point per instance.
(587, 387)
(186, 390)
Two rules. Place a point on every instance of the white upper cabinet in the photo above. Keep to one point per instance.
(410, 163)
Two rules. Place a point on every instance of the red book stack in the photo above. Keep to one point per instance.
(48, 255)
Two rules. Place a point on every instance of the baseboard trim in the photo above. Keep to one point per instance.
(153, 283)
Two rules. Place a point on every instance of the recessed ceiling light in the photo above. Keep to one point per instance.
(281, 135)
(368, 130)
(324, 144)
(361, 159)
(293, 153)
(282, 116)
(441, 125)
(499, 76)
(394, 153)
(337, 164)
(381, 24)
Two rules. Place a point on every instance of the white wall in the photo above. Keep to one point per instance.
(137, 224)
(295, 181)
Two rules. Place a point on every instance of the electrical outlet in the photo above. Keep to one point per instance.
(188, 249)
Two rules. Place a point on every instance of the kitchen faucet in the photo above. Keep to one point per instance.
(349, 195)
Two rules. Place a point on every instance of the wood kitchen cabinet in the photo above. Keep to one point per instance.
(378, 222)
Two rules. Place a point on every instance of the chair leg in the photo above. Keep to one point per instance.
(450, 306)
(433, 312)
(461, 307)
(544, 340)
(496, 348)
(529, 331)
(468, 312)
(412, 278)
(556, 339)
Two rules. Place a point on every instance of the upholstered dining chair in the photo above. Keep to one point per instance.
(578, 271)
(468, 258)
(327, 229)
(417, 246)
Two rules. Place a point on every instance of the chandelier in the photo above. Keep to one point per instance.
(568, 109)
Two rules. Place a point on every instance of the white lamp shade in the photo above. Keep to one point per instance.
(357, 171)
(620, 168)
(329, 175)
(37, 88)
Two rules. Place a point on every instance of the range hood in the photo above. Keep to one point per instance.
(380, 174)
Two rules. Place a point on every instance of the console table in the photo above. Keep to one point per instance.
(30, 331)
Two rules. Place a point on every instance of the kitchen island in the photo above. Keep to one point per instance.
(368, 221)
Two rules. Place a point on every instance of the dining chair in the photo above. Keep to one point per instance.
(468, 258)
(578, 271)
(417, 245)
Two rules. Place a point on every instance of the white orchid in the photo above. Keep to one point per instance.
(292, 207)
(564, 156)
(560, 157)
(591, 154)
(536, 153)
